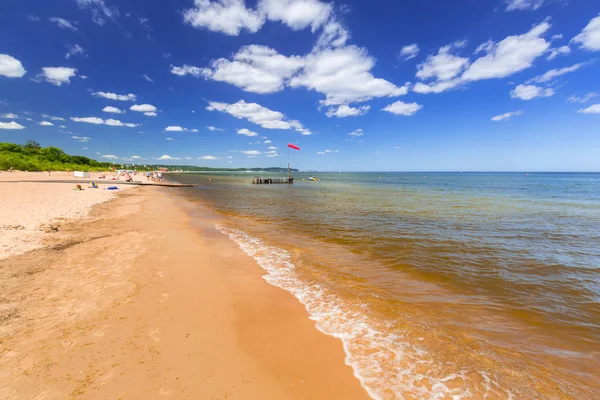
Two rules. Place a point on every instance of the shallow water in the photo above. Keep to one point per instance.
(440, 285)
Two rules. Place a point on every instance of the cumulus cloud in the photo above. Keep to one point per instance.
(582, 99)
(100, 11)
(73, 50)
(214, 128)
(259, 115)
(110, 156)
(81, 139)
(9, 116)
(114, 96)
(46, 123)
(589, 38)
(232, 16)
(10, 67)
(135, 157)
(593, 109)
(267, 141)
(528, 92)
(152, 114)
(327, 152)
(557, 51)
(257, 69)
(175, 128)
(443, 66)
(113, 110)
(53, 118)
(207, 158)
(187, 70)
(400, 108)
(512, 5)
(246, 132)
(168, 157)
(63, 23)
(145, 108)
(505, 116)
(100, 121)
(510, 55)
(57, 75)
(357, 133)
(11, 125)
(409, 52)
(347, 111)
(250, 152)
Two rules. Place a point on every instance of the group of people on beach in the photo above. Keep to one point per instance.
(156, 176)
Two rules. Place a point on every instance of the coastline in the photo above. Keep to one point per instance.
(146, 299)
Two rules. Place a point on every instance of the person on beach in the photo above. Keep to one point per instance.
(148, 176)
(159, 176)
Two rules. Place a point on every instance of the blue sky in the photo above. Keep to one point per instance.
(378, 85)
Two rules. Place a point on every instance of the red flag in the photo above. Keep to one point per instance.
(293, 146)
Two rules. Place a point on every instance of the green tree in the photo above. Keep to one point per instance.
(32, 144)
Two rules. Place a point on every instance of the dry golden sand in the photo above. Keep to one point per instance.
(134, 302)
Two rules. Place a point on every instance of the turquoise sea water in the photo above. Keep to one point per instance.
(439, 284)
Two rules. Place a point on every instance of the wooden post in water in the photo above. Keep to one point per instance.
(289, 175)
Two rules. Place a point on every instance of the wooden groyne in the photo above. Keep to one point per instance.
(272, 181)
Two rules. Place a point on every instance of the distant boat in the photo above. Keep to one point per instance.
(313, 178)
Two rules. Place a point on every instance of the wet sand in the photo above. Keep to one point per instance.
(135, 302)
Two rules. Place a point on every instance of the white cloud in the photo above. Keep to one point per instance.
(146, 77)
(555, 73)
(172, 128)
(272, 148)
(116, 122)
(11, 125)
(410, 51)
(145, 108)
(259, 115)
(53, 118)
(583, 99)
(135, 157)
(63, 23)
(111, 156)
(512, 5)
(557, 51)
(10, 67)
(528, 92)
(333, 35)
(187, 70)
(152, 114)
(589, 38)
(505, 116)
(168, 157)
(169, 138)
(100, 11)
(327, 152)
(343, 76)
(246, 132)
(207, 158)
(231, 16)
(73, 50)
(100, 121)
(57, 75)
(436, 87)
(227, 16)
(250, 152)
(347, 111)
(113, 110)
(267, 142)
(194, 130)
(9, 116)
(357, 133)
(400, 108)
(81, 139)
(593, 109)
(34, 18)
(510, 55)
(214, 129)
(257, 69)
(114, 96)
(46, 123)
(443, 66)
(89, 120)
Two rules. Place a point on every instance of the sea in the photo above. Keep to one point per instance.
(439, 285)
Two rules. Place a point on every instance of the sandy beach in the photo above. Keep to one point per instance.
(122, 297)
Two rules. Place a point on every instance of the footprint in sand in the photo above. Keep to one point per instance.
(154, 334)
(161, 274)
(164, 391)
(165, 297)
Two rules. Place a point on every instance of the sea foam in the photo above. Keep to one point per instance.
(386, 364)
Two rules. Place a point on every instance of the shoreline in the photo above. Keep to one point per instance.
(146, 299)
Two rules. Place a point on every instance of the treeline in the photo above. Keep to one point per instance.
(32, 157)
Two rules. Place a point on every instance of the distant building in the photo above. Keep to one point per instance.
(163, 169)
